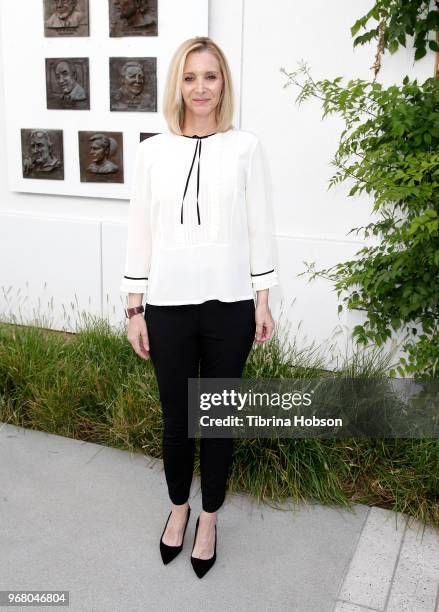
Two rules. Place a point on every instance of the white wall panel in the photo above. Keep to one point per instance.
(299, 144)
(49, 268)
(114, 237)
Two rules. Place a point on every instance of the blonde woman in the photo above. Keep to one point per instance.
(199, 246)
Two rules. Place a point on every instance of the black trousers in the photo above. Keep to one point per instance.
(212, 339)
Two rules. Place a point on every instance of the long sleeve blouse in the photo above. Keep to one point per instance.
(199, 222)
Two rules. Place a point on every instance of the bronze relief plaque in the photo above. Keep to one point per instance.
(101, 157)
(133, 84)
(68, 83)
(42, 154)
(66, 18)
(133, 17)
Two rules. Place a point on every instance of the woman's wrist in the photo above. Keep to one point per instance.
(262, 297)
(135, 299)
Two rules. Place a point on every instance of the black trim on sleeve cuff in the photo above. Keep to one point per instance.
(262, 273)
(137, 277)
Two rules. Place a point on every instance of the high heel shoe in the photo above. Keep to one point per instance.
(202, 566)
(170, 552)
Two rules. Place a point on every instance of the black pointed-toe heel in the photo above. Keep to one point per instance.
(202, 566)
(170, 552)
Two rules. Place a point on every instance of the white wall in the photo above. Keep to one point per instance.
(74, 246)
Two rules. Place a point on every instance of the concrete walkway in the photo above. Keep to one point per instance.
(86, 518)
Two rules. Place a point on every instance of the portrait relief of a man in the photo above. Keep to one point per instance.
(41, 159)
(133, 17)
(67, 83)
(101, 157)
(65, 74)
(66, 17)
(102, 149)
(133, 84)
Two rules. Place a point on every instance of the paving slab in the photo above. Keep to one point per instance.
(416, 579)
(371, 570)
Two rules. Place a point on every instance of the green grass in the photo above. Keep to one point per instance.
(92, 386)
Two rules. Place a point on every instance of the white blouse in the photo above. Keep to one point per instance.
(199, 229)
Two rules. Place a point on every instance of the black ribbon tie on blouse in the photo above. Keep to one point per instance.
(197, 149)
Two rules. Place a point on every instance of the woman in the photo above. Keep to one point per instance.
(199, 243)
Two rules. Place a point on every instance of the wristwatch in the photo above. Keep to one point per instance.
(130, 312)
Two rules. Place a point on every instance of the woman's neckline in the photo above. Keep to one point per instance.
(196, 135)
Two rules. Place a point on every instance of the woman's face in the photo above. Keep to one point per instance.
(202, 83)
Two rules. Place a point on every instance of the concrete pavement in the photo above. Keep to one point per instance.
(87, 518)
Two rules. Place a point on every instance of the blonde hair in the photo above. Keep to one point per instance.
(173, 104)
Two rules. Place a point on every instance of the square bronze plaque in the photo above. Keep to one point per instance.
(42, 154)
(66, 18)
(133, 84)
(133, 17)
(101, 157)
(68, 83)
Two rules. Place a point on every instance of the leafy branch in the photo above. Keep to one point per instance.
(398, 19)
(390, 150)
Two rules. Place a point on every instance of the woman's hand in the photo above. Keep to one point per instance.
(264, 323)
(138, 335)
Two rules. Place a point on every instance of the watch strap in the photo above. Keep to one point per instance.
(130, 312)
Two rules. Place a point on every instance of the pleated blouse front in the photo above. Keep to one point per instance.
(199, 221)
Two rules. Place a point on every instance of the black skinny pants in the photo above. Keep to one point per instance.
(212, 339)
